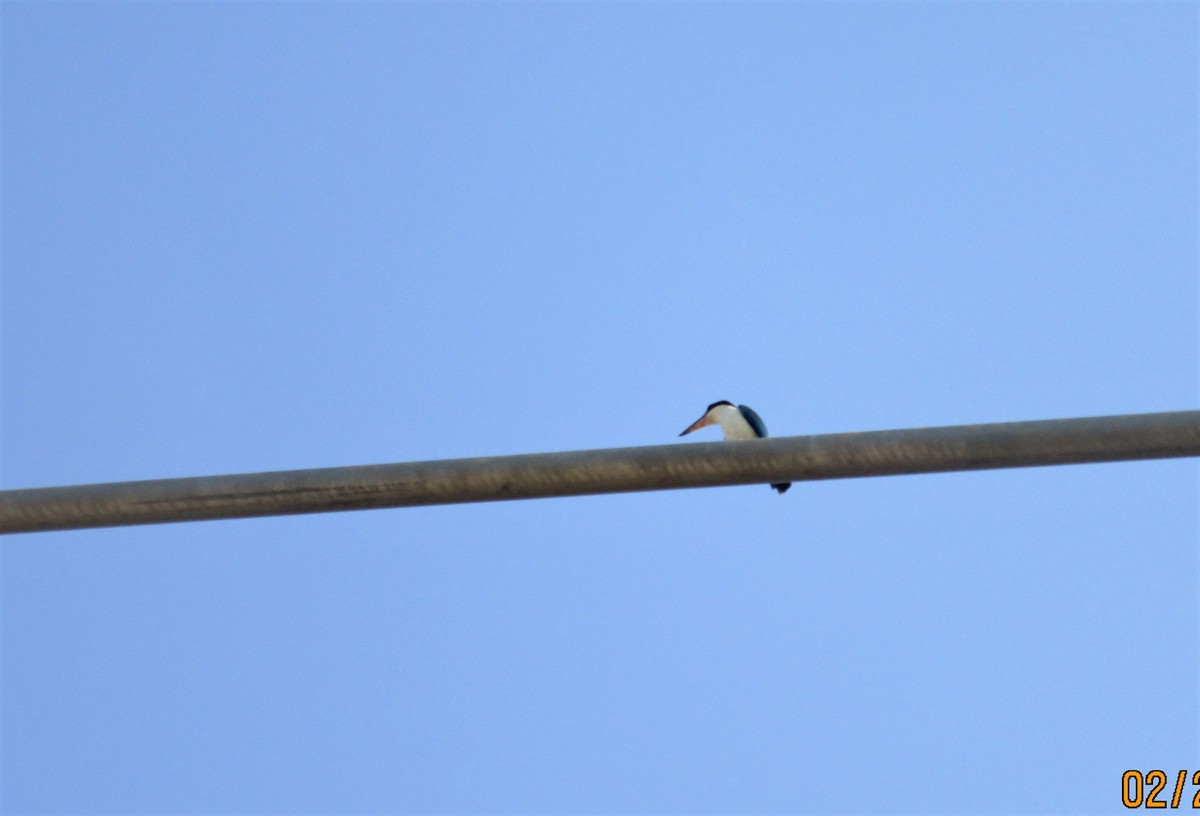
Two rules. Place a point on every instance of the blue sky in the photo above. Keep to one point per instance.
(244, 237)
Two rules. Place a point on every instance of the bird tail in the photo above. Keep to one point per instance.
(782, 488)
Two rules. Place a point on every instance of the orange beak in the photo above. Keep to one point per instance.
(702, 422)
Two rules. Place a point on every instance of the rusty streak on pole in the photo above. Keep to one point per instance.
(615, 470)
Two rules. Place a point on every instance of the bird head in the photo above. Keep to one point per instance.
(710, 416)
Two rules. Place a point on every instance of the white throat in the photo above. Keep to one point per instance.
(732, 423)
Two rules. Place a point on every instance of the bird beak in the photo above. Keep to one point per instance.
(702, 422)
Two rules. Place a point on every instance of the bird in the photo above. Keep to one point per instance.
(737, 422)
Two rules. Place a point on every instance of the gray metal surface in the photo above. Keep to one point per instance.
(616, 470)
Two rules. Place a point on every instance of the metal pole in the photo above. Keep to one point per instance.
(615, 470)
